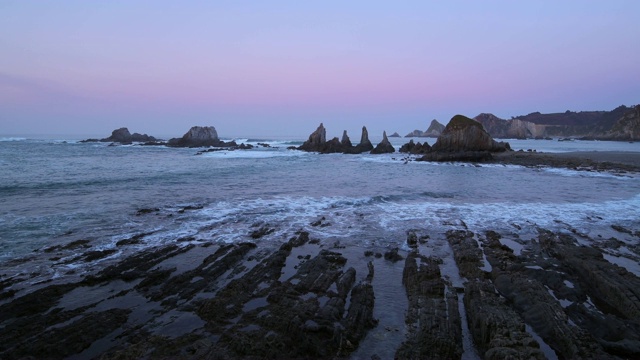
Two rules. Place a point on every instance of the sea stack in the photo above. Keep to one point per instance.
(123, 136)
(199, 136)
(364, 145)
(316, 141)
(346, 142)
(464, 139)
(384, 147)
(465, 134)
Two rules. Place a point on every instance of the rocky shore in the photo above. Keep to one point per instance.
(474, 294)
(609, 161)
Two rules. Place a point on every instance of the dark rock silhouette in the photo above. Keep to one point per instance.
(364, 145)
(200, 136)
(415, 148)
(345, 140)
(394, 135)
(123, 136)
(316, 140)
(317, 143)
(415, 133)
(463, 139)
(464, 134)
(384, 147)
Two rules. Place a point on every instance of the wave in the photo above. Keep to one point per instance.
(259, 153)
(7, 139)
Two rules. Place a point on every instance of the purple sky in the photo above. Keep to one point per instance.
(281, 67)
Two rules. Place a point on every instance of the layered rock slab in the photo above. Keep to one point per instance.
(433, 320)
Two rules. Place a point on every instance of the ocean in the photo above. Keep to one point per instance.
(54, 192)
(70, 209)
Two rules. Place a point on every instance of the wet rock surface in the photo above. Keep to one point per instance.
(433, 319)
(458, 295)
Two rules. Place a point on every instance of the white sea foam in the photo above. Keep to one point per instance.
(585, 173)
(5, 139)
(254, 153)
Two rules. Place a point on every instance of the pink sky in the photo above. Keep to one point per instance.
(76, 67)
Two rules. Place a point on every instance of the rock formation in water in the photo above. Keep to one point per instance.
(364, 145)
(435, 129)
(415, 133)
(200, 136)
(317, 143)
(415, 148)
(384, 147)
(464, 139)
(394, 135)
(346, 142)
(316, 140)
(464, 134)
(123, 136)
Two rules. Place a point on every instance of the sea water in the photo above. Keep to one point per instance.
(53, 192)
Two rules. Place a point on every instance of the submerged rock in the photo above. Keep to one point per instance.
(384, 147)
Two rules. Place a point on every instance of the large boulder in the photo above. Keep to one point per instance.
(199, 136)
(464, 139)
(465, 134)
(384, 147)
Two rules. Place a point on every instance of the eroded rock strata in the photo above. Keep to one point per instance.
(554, 296)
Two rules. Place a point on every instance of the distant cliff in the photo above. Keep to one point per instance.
(620, 123)
(512, 129)
(434, 130)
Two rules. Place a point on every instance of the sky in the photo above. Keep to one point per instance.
(279, 68)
